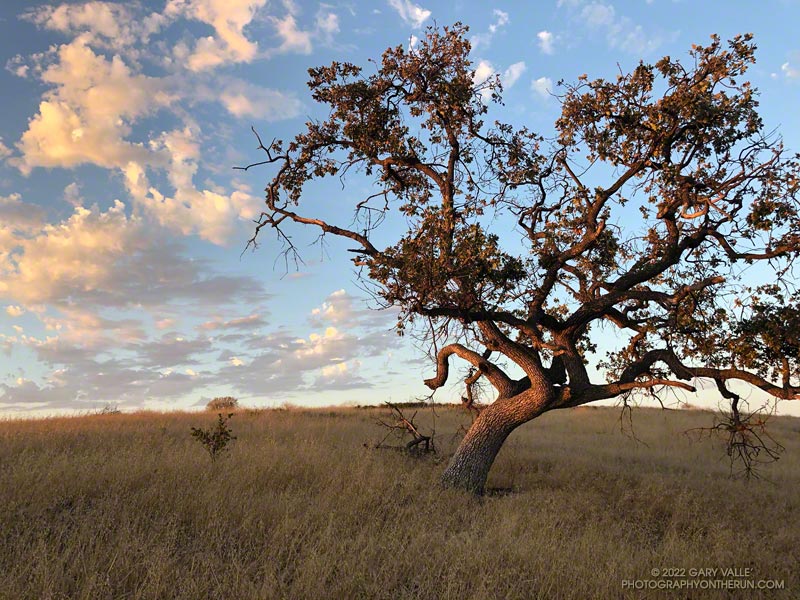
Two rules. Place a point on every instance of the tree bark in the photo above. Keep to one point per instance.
(470, 465)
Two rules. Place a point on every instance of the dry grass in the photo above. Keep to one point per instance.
(129, 506)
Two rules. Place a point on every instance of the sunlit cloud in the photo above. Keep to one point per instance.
(228, 18)
(87, 117)
(104, 24)
(411, 13)
(243, 99)
(206, 213)
(14, 311)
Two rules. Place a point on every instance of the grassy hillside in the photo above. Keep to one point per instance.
(129, 506)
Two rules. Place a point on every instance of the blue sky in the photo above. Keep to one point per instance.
(122, 222)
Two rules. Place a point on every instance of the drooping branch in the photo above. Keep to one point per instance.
(496, 376)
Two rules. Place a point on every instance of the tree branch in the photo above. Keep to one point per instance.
(496, 376)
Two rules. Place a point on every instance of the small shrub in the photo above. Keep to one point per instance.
(215, 440)
(223, 403)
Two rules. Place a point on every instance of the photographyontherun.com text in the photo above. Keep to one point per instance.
(707, 578)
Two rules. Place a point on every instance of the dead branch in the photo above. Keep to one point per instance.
(401, 428)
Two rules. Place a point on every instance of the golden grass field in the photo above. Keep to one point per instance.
(130, 506)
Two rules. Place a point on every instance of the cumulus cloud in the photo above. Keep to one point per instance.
(545, 41)
(298, 364)
(486, 70)
(228, 18)
(542, 87)
(107, 262)
(345, 329)
(87, 245)
(94, 101)
(207, 213)
(106, 258)
(512, 74)
(107, 293)
(17, 216)
(88, 114)
(88, 383)
(411, 13)
(14, 311)
(104, 24)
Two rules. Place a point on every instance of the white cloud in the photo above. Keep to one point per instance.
(326, 24)
(293, 38)
(501, 19)
(337, 308)
(296, 39)
(228, 18)
(483, 71)
(597, 14)
(545, 41)
(243, 99)
(543, 87)
(333, 371)
(620, 31)
(348, 312)
(207, 213)
(486, 70)
(512, 74)
(411, 13)
(790, 71)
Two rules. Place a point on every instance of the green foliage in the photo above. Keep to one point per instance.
(215, 440)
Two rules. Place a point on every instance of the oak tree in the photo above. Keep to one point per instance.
(661, 216)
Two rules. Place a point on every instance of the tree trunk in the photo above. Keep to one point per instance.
(469, 467)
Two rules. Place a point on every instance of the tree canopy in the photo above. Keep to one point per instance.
(511, 249)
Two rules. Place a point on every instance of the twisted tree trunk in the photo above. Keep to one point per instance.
(470, 465)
